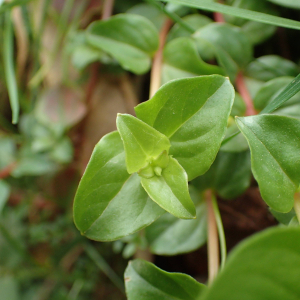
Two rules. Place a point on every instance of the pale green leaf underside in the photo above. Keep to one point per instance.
(170, 191)
(144, 280)
(109, 202)
(172, 236)
(193, 114)
(141, 142)
(265, 266)
(130, 39)
(239, 12)
(275, 157)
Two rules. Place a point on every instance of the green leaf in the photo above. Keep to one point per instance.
(287, 3)
(255, 32)
(181, 59)
(193, 114)
(31, 164)
(110, 203)
(130, 39)
(141, 142)
(239, 12)
(171, 236)
(270, 90)
(270, 67)
(265, 266)
(291, 90)
(196, 21)
(4, 194)
(232, 58)
(150, 12)
(8, 60)
(145, 281)
(275, 151)
(170, 191)
(9, 288)
(239, 106)
(229, 176)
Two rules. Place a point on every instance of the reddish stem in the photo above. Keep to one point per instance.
(108, 6)
(218, 17)
(213, 239)
(243, 90)
(5, 172)
(155, 80)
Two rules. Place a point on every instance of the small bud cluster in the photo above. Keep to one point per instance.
(155, 166)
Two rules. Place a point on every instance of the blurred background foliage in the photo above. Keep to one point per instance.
(69, 94)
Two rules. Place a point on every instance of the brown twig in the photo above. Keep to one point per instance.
(213, 240)
(155, 79)
(243, 90)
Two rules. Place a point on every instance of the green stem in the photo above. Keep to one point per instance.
(220, 231)
(103, 266)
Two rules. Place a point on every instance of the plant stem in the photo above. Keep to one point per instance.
(297, 205)
(243, 90)
(108, 6)
(172, 16)
(220, 230)
(155, 79)
(213, 242)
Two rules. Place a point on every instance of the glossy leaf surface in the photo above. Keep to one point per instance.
(181, 59)
(265, 266)
(291, 90)
(269, 67)
(171, 236)
(144, 280)
(193, 114)
(232, 59)
(256, 32)
(195, 21)
(170, 190)
(141, 142)
(110, 203)
(270, 91)
(229, 175)
(275, 157)
(130, 39)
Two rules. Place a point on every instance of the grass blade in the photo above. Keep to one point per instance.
(291, 90)
(239, 12)
(8, 56)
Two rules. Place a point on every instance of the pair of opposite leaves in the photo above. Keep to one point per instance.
(186, 119)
